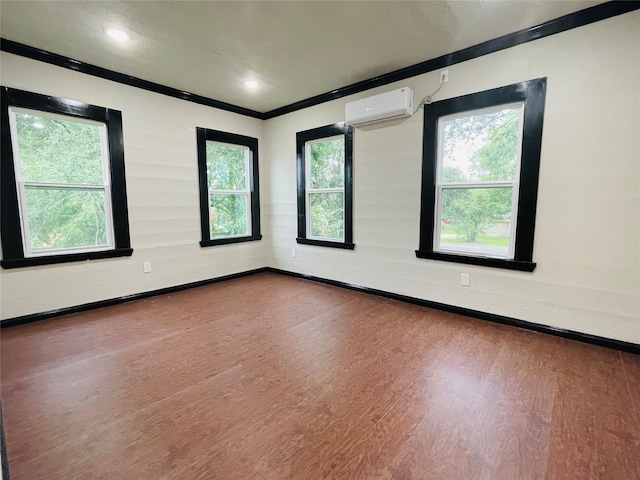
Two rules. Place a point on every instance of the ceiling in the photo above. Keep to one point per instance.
(295, 49)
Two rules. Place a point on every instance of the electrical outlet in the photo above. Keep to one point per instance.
(464, 279)
(146, 267)
(444, 76)
(293, 253)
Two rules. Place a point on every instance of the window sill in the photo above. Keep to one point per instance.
(482, 261)
(327, 243)
(71, 257)
(229, 240)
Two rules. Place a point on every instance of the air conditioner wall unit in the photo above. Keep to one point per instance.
(385, 106)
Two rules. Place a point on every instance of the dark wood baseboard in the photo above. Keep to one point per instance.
(3, 450)
(514, 322)
(35, 317)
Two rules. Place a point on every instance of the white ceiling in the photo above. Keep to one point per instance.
(296, 49)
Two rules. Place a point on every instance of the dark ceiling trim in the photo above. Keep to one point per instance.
(561, 24)
(16, 48)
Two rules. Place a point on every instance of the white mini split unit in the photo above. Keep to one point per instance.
(385, 106)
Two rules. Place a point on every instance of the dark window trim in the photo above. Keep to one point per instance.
(482, 261)
(13, 254)
(314, 134)
(72, 257)
(326, 243)
(532, 93)
(577, 19)
(202, 136)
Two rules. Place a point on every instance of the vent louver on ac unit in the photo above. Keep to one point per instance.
(385, 106)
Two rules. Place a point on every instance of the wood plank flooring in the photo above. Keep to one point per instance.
(269, 377)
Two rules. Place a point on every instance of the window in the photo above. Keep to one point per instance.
(325, 186)
(229, 193)
(481, 157)
(63, 181)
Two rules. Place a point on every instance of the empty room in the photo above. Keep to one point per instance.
(305, 240)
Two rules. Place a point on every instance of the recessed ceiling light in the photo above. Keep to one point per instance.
(118, 35)
(252, 84)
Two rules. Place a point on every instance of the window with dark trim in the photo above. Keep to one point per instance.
(63, 181)
(229, 187)
(325, 186)
(480, 164)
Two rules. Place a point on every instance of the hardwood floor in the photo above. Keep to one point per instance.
(270, 377)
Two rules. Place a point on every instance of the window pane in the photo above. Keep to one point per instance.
(476, 221)
(482, 147)
(59, 151)
(226, 167)
(327, 164)
(65, 218)
(229, 215)
(327, 215)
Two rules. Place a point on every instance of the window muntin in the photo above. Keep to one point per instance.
(228, 176)
(63, 182)
(442, 188)
(477, 181)
(229, 187)
(325, 192)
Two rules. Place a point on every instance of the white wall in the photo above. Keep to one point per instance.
(162, 191)
(587, 239)
(587, 243)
